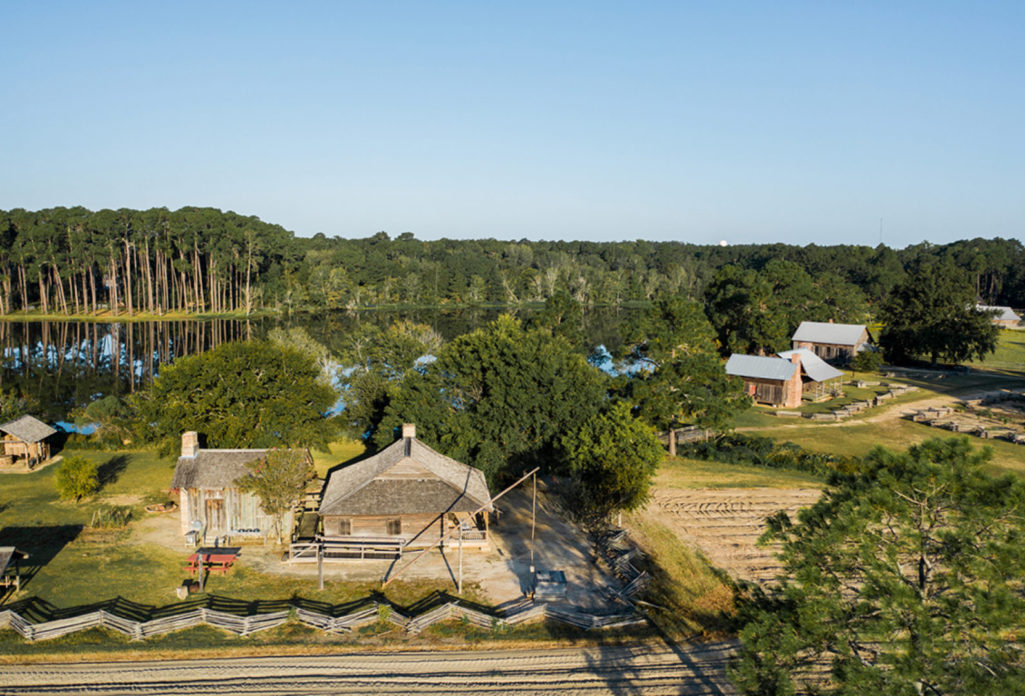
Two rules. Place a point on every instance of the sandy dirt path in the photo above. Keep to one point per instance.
(650, 669)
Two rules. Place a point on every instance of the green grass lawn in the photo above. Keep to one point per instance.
(1009, 357)
(858, 439)
(338, 452)
(680, 472)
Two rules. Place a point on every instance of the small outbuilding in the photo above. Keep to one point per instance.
(769, 379)
(25, 439)
(1002, 316)
(212, 505)
(407, 495)
(832, 342)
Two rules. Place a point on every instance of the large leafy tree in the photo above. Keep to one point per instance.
(905, 578)
(931, 314)
(757, 311)
(612, 458)
(679, 378)
(279, 480)
(243, 394)
(373, 361)
(498, 398)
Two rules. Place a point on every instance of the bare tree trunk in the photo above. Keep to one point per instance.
(112, 297)
(128, 278)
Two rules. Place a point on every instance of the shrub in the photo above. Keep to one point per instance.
(76, 478)
(868, 360)
(737, 448)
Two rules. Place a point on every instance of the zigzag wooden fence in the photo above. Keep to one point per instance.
(34, 619)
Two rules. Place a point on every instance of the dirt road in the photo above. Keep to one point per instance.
(687, 671)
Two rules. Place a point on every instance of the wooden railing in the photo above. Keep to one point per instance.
(364, 614)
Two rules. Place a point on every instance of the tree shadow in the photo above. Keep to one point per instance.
(111, 470)
(41, 544)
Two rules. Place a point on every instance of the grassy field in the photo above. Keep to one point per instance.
(1009, 357)
(338, 452)
(680, 472)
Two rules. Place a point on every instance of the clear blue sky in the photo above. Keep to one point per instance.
(765, 121)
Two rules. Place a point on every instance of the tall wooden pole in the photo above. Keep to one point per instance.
(460, 584)
(533, 517)
(320, 566)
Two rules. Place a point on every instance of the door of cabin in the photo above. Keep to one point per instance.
(215, 517)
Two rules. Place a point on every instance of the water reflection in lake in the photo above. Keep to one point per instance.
(67, 364)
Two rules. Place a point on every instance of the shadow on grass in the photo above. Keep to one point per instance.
(111, 470)
(41, 544)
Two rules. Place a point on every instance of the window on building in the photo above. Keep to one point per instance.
(395, 527)
(344, 527)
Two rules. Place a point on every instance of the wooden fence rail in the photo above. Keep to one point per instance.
(368, 614)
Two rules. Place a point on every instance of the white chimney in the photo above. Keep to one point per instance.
(409, 430)
(190, 443)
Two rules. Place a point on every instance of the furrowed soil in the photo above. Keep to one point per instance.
(725, 523)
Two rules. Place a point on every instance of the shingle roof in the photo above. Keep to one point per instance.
(28, 429)
(214, 468)
(1003, 313)
(760, 367)
(813, 366)
(824, 332)
(405, 478)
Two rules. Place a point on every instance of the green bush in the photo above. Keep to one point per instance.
(737, 448)
(868, 360)
(76, 478)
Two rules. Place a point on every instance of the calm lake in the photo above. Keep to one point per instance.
(66, 364)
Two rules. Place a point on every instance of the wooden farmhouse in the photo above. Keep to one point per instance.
(837, 343)
(210, 501)
(783, 380)
(26, 440)
(1002, 316)
(407, 495)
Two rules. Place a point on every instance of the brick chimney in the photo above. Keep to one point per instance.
(190, 443)
(409, 430)
(794, 386)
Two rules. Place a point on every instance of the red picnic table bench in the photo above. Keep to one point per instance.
(218, 559)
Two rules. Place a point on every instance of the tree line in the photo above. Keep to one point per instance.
(203, 260)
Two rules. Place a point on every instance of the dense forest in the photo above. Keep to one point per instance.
(203, 260)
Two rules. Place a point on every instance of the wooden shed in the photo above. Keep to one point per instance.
(26, 439)
(406, 494)
(210, 500)
(769, 380)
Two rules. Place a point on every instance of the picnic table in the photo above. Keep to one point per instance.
(213, 558)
